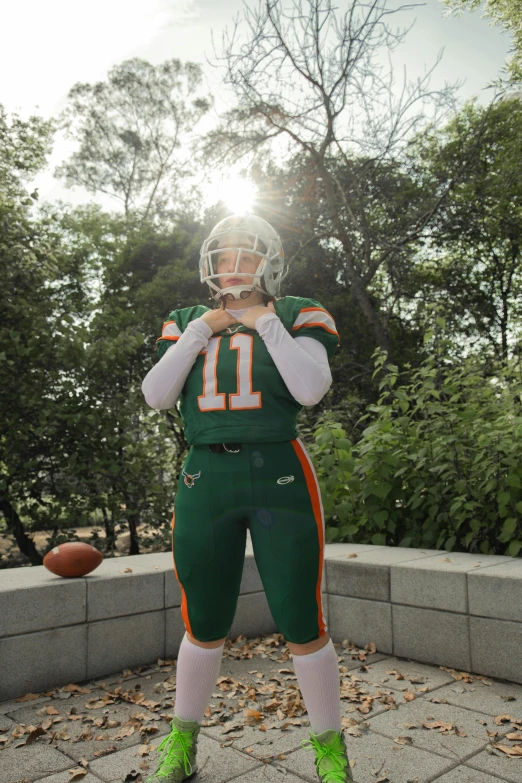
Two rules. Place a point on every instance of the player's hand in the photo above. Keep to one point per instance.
(218, 320)
(251, 315)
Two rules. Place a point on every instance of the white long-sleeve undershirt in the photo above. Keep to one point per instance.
(301, 361)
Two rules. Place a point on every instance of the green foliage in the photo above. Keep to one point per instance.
(438, 465)
(475, 266)
(24, 146)
(79, 306)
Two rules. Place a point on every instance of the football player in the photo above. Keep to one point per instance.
(241, 373)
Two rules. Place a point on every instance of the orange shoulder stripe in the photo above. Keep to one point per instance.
(168, 337)
(316, 323)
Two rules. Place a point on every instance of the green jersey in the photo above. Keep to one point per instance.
(234, 392)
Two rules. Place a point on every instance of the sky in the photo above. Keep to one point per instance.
(45, 48)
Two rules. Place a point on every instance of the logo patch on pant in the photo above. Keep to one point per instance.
(285, 479)
(189, 480)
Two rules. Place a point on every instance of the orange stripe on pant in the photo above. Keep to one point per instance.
(184, 609)
(313, 489)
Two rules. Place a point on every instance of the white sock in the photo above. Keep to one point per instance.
(197, 672)
(319, 681)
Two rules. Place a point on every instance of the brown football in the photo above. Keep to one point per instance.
(74, 558)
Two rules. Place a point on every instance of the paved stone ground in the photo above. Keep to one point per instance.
(404, 722)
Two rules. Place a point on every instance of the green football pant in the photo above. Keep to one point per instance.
(272, 488)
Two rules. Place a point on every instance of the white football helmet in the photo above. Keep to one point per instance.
(244, 232)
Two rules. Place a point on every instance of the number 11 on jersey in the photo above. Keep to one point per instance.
(244, 398)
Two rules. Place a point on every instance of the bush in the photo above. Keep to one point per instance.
(438, 465)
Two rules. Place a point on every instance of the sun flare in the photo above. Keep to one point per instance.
(237, 193)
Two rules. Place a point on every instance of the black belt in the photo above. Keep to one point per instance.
(219, 447)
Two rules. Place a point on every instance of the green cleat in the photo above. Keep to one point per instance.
(331, 758)
(178, 752)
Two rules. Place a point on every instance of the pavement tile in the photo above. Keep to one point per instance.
(265, 774)
(5, 724)
(215, 764)
(412, 719)
(159, 687)
(372, 703)
(404, 677)
(466, 775)
(352, 661)
(498, 764)
(111, 679)
(491, 699)
(373, 756)
(64, 777)
(30, 762)
(121, 711)
(268, 662)
(359, 700)
(14, 704)
(265, 744)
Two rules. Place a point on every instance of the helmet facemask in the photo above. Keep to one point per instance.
(239, 243)
(239, 239)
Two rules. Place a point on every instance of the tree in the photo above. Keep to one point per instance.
(134, 132)
(24, 146)
(507, 14)
(297, 77)
(82, 309)
(474, 259)
(38, 340)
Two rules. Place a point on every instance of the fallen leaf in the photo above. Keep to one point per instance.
(500, 719)
(439, 724)
(460, 732)
(36, 731)
(253, 714)
(104, 752)
(232, 727)
(353, 731)
(396, 674)
(29, 697)
(73, 688)
(98, 704)
(514, 751)
(483, 678)
(77, 774)
(125, 731)
(466, 676)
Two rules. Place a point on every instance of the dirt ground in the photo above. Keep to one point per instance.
(40, 539)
